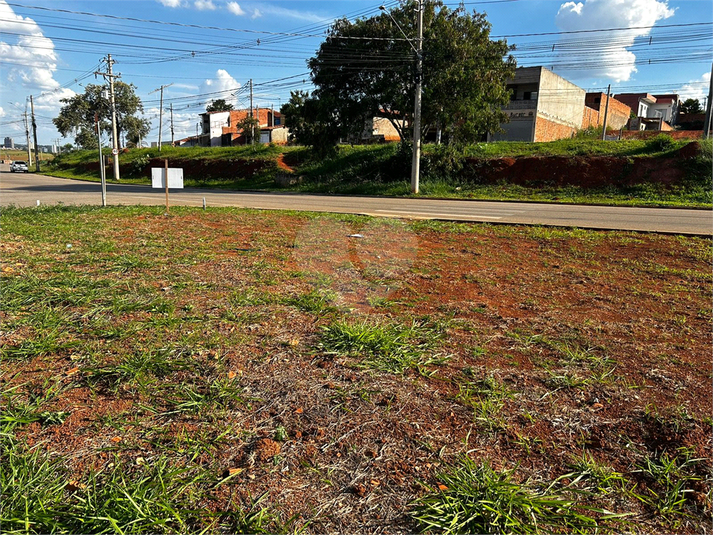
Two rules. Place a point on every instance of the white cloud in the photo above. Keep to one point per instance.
(235, 9)
(256, 14)
(267, 9)
(639, 15)
(2, 112)
(204, 5)
(223, 82)
(190, 87)
(172, 3)
(32, 59)
(696, 88)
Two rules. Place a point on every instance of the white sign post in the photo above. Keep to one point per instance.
(166, 178)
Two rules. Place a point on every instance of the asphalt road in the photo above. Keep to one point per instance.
(26, 189)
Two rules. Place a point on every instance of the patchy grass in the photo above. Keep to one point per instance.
(215, 371)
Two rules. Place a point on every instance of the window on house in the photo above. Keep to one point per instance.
(529, 95)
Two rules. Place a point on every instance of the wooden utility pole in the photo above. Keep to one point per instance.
(606, 112)
(34, 136)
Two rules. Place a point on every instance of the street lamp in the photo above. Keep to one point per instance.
(416, 161)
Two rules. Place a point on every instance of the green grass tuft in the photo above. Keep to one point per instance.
(475, 498)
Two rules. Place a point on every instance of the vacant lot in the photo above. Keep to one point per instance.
(242, 371)
(655, 172)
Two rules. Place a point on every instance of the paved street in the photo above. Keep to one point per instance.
(27, 189)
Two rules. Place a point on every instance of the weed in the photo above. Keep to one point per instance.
(139, 367)
(33, 489)
(601, 477)
(671, 478)
(319, 301)
(566, 380)
(487, 397)
(528, 443)
(281, 434)
(474, 498)
(249, 297)
(388, 348)
(23, 408)
(224, 394)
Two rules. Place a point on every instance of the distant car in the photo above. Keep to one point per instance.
(19, 167)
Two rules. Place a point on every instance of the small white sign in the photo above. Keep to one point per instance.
(115, 151)
(175, 178)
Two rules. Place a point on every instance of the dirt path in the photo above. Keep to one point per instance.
(283, 165)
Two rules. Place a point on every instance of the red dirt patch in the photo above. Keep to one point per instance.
(600, 342)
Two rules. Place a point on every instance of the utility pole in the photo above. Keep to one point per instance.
(160, 114)
(418, 49)
(114, 130)
(606, 112)
(172, 140)
(709, 110)
(252, 127)
(34, 136)
(27, 135)
(416, 163)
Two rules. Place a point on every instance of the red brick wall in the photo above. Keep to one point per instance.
(590, 118)
(675, 134)
(617, 116)
(550, 131)
(619, 113)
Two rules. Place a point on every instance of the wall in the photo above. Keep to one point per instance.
(383, 127)
(618, 114)
(560, 107)
(216, 122)
(280, 135)
(546, 130)
(590, 118)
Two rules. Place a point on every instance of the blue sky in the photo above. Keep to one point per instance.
(209, 48)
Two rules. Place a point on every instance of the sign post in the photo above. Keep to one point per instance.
(166, 177)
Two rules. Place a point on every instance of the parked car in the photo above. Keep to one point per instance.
(19, 167)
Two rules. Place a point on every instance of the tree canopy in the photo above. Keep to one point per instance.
(367, 68)
(691, 105)
(77, 115)
(219, 105)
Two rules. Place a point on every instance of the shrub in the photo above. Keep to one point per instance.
(660, 143)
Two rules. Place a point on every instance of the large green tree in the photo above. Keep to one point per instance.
(219, 105)
(691, 105)
(77, 115)
(367, 68)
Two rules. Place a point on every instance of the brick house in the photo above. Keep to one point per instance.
(220, 128)
(543, 107)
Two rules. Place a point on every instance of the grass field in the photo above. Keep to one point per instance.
(235, 371)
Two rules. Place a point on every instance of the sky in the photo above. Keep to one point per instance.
(200, 50)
